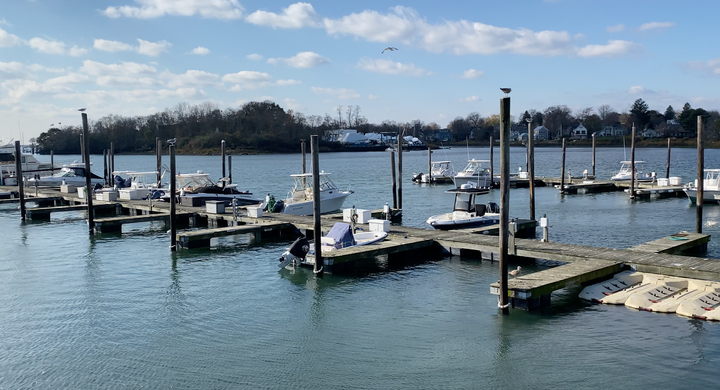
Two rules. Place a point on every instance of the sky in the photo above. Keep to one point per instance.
(138, 57)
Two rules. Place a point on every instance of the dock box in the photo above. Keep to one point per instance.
(255, 212)
(68, 189)
(662, 182)
(81, 192)
(379, 225)
(108, 196)
(215, 207)
(363, 215)
(674, 180)
(132, 193)
(191, 201)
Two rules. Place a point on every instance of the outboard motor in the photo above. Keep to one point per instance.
(278, 207)
(493, 207)
(417, 178)
(296, 253)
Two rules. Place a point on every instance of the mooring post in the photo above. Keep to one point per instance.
(88, 184)
(222, 154)
(545, 228)
(429, 165)
(531, 169)
(229, 169)
(632, 163)
(52, 162)
(112, 156)
(105, 168)
(302, 151)
(399, 177)
(700, 176)
(173, 198)
(82, 147)
(317, 233)
(667, 168)
(492, 164)
(562, 169)
(394, 182)
(19, 176)
(512, 229)
(504, 199)
(158, 160)
(593, 155)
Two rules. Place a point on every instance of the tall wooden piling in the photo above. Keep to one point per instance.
(562, 169)
(504, 199)
(593, 155)
(222, 153)
(700, 176)
(158, 160)
(392, 176)
(52, 162)
(82, 148)
(632, 163)
(173, 199)
(19, 176)
(112, 157)
(229, 169)
(531, 170)
(429, 165)
(492, 164)
(399, 177)
(667, 167)
(302, 151)
(106, 176)
(317, 233)
(88, 183)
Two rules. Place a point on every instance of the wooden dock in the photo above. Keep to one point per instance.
(115, 224)
(201, 238)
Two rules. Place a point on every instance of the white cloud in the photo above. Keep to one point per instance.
(472, 74)
(254, 57)
(341, 93)
(616, 28)
(111, 46)
(297, 15)
(469, 99)
(293, 104)
(12, 70)
(70, 78)
(400, 26)
(76, 51)
(656, 26)
(122, 74)
(7, 39)
(371, 97)
(390, 67)
(211, 9)
(47, 47)
(201, 51)
(152, 49)
(612, 49)
(283, 83)
(247, 79)
(709, 66)
(191, 78)
(306, 59)
(637, 89)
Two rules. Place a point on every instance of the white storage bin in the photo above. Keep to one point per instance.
(662, 182)
(363, 215)
(107, 196)
(81, 192)
(215, 207)
(379, 225)
(255, 212)
(67, 189)
(674, 180)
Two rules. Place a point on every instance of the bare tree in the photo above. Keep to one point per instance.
(583, 114)
(339, 110)
(604, 112)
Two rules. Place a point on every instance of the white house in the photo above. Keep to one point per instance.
(650, 133)
(541, 133)
(580, 132)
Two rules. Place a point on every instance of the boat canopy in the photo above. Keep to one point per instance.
(342, 234)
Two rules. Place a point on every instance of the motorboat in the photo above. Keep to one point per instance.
(340, 236)
(31, 166)
(626, 169)
(73, 174)
(440, 172)
(466, 213)
(711, 187)
(199, 188)
(133, 185)
(300, 198)
(476, 172)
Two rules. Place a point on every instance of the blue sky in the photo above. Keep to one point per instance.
(137, 57)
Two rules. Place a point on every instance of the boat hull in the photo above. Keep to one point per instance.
(708, 195)
(306, 208)
(450, 224)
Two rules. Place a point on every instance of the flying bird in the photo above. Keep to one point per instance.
(389, 48)
(81, 109)
(506, 90)
(515, 272)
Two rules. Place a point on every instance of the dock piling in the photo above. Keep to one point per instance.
(88, 183)
(504, 200)
(700, 176)
(173, 199)
(112, 157)
(302, 151)
(52, 162)
(632, 163)
(545, 228)
(317, 232)
(593, 154)
(667, 168)
(222, 153)
(492, 164)
(158, 160)
(392, 176)
(105, 168)
(19, 176)
(229, 158)
(399, 181)
(531, 169)
(429, 165)
(562, 169)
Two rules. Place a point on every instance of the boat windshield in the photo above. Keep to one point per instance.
(194, 180)
(69, 172)
(303, 182)
(475, 166)
(463, 202)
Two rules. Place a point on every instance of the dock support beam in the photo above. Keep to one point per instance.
(700, 177)
(392, 176)
(314, 150)
(632, 164)
(531, 169)
(562, 169)
(399, 181)
(504, 200)
(173, 199)
(88, 184)
(19, 176)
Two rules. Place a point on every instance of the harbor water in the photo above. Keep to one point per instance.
(116, 311)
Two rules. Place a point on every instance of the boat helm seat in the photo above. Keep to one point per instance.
(480, 210)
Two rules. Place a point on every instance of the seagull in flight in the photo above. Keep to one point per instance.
(389, 48)
(81, 109)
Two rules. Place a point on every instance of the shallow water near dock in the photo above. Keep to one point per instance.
(111, 311)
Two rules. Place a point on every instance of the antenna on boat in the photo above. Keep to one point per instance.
(624, 153)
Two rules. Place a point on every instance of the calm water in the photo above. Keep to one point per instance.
(114, 311)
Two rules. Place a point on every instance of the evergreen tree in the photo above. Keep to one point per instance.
(669, 113)
(639, 111)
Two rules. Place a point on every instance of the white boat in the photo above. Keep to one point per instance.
(704, 305)
(300, 198)
(440, 172)
(476, 172)
(339, 237)
(596, 292)
(711, 187)
(202, 188)
(663, 298)
(31, 166)
(73, 174)
(466, 213)
(136, 185)
(650, 282)
(625, 172)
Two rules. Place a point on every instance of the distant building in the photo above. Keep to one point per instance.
(439, 135)
(541, 133)
(611, 131)
(580, 132)
(650, 133)
(338, 135)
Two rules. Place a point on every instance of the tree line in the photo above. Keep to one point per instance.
(267, 127)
